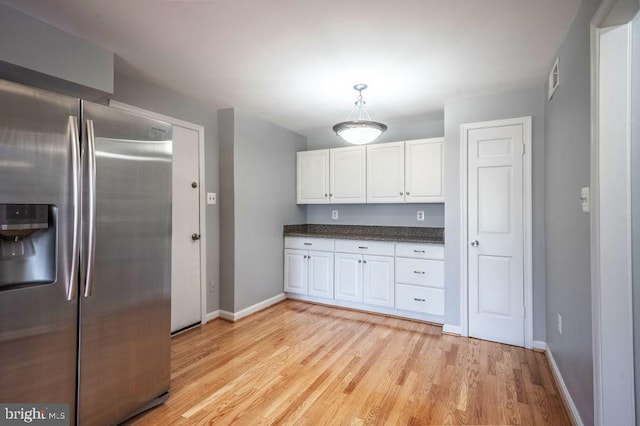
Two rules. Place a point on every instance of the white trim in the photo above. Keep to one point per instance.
(564, 392)
(539, 345)
(527, 223)
(233, 317)
(213, 315)
(202, 190)
(452, 329)
(606, 374)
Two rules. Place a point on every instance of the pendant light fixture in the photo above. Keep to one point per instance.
(362, 130)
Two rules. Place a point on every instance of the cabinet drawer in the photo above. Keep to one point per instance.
(303, 243)
(420, 251)
(420, 299)
(377, 248)
(423, 272)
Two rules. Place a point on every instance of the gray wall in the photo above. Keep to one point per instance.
(528, 102)
(427, 126)
(158, 99)
(37, 54)
(567, 227)
(264, 176)
(635, 199)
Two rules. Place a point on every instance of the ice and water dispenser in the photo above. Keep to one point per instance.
(27, 245)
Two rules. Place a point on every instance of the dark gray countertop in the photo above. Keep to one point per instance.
(405, 234)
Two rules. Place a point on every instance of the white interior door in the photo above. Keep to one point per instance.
(496, 233)
(185, 251)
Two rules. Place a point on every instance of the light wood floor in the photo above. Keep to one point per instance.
(298, 363)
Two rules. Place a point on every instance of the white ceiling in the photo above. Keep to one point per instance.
(293, 62)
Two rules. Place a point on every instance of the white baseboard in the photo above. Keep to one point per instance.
(452, 329)
(539, 345)
(235, 316)
(212, 315)
(566, 396)
(433, 319)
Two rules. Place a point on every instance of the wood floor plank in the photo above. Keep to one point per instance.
(303, 364)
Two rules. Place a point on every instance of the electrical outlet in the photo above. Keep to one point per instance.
(559, 323)
(211, 197)
(334, 215)
(420, 215)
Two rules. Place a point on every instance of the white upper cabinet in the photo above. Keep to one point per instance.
(423, 173)
(348, 180)
(312, 184)
(385, 173)
(396, 172)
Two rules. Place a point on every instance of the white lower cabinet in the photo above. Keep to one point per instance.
(378, 280)
(420, 278)
(320, 274)
(348, 279)
(295, 271)
(420, 299)
(308, 271)
(392, 278)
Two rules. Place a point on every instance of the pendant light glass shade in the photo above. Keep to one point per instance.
(362, 130)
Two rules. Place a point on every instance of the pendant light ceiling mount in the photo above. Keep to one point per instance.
(363, 130)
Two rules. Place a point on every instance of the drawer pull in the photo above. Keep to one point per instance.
(418, 251)
(308, 244)
(419, 272)
(419, 300)
(363, 247)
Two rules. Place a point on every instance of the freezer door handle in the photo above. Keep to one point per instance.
(91, 231)
(75, 171)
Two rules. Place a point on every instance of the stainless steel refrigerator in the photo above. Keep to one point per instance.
(85, 256)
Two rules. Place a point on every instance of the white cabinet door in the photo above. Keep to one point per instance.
(320, 274)
(348, 175)
(378, 280)
(295, 271)
(312, 184)
(385, 173)
(424, 160)
(348, 273)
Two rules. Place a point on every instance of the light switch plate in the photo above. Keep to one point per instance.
(211, 197)
(585, 199)
(334, 215)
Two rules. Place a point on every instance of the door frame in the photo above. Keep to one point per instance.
(201, 190)
(607, 373)
(527, 223)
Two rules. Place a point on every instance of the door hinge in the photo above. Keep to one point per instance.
(524, 311)
(523, 148)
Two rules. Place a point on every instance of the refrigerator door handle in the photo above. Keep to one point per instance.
(91, 182)
(75, 170)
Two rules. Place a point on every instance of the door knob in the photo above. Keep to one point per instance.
(195, 237)
(474, 243)
(194, 184)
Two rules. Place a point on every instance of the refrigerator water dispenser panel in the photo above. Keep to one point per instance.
(27, 245)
